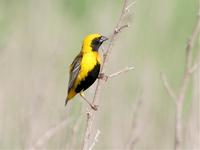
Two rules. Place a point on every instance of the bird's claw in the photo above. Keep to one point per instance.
(103, 76)
(94, 107)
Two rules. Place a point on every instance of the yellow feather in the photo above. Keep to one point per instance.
(89, 59)
(71, 94)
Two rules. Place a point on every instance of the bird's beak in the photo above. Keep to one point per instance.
(103, 38)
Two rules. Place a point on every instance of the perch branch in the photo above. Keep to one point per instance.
(91, 113)
(121, 72)
(106, 77)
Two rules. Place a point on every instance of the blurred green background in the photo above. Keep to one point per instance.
(40, 38)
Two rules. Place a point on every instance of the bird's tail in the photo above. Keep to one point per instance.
(70, 95)
(67, 99)
(66, 102)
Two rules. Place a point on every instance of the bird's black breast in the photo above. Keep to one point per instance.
(89, 80)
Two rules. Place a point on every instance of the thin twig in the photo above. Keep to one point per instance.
(121, 72)
(194, 68)
(103, 50)
(106, 77)
(117, 30)
(130, 5)
(91, 115)
(95, 139)
(49, 133)
(168, 87)
(135, 133)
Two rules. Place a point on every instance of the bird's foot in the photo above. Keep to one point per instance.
(94, 107)
(103, 76)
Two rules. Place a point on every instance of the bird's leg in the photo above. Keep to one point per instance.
(103, 76)
(91, 105)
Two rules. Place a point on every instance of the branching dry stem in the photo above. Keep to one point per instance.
(189, 69)
(90, 119)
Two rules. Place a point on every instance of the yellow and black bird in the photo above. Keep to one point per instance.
(85, 68)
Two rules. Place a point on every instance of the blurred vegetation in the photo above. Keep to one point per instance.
(38, 41)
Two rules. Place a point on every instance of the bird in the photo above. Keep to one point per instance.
(85, 68)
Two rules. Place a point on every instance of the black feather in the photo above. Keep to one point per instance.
(89, 79)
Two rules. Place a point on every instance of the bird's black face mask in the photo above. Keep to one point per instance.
(96, 43)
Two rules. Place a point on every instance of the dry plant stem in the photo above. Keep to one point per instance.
(48, 134)
(117, 30)
(106, 77)
(95, 139)
(194, 68)
(135, 135)
(179, 99)
(120, 72)
(91, 114)
(131, 4)
(103, 50)
(168, 87)
(184, 84)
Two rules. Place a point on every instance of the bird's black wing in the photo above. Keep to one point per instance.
(75, 68)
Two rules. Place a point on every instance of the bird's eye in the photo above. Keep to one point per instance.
(96, 42)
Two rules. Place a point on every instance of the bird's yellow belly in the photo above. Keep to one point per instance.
(87, 64)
